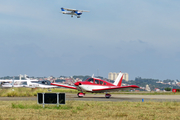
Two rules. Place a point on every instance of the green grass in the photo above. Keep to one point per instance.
(29, 92)
(35, 106)
(90, 110)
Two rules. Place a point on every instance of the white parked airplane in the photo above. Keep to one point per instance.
(16, 83)
(72, 12)
(40, 84)
(29, 84)
(26, 82)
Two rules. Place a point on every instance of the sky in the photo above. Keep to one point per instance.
(138, 37)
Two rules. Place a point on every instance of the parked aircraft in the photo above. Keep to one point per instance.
(96, 85)
(72, 12)
(17, 83)
(40, 84)
(25, 82)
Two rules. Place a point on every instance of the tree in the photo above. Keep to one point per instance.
(167, 89)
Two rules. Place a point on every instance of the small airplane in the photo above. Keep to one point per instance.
(14, 83)
(40, 84)
(72, 12)
(96, 85)
(27, 82)
(25, 79)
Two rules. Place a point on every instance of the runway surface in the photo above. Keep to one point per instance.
(101, 97)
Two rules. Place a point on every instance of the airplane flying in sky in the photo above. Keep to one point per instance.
(72, 12)
(96, 85)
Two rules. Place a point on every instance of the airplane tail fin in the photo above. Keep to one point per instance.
(62, 9)
(118, 80)
(28, 82)
(92, 76)
(13, 82)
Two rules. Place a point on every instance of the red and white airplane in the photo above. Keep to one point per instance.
(96, 85)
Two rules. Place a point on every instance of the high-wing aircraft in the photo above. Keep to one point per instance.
(29, 84)
(96, 85)
(72, 12)
(40, 84)
(15, 83)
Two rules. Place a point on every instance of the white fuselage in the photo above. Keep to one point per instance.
(38, 85)
(69, 13)
(72, 13)
(90, 87)
(10, 86)
(16, 83)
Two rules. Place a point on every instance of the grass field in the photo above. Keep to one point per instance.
(86, 110)
(27, 92)
(90, 110)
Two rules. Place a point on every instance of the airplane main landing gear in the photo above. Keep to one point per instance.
(107, 95)
(71, 15)
(81, 94)
(78, 16)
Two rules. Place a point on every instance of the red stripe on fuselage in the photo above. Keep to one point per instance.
(116, 87)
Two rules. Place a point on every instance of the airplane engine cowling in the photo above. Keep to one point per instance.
(77, 83)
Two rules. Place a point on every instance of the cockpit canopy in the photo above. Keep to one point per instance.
(46, 82)
(96, 81)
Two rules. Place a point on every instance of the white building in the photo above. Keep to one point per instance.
(113, 76)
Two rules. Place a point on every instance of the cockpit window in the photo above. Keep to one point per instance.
(44, 82)
(91, 80)
(101, 82)
(96, 81)
(24, 83)
(34, 81)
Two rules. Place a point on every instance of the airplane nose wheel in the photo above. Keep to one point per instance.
(81, 94)
(107, 95)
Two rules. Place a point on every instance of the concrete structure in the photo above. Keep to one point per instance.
(113, 76)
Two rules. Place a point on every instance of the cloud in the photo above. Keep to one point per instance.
(132, 36)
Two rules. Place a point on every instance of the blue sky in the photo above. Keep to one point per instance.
(138, 37)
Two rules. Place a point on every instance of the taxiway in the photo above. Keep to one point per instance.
(101, 97)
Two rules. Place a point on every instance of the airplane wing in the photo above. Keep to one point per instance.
(75, 10)
(6, 80)
(115, 88)
(64, 85)
(70, 9)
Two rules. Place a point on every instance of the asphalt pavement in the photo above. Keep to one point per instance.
(101, 97)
